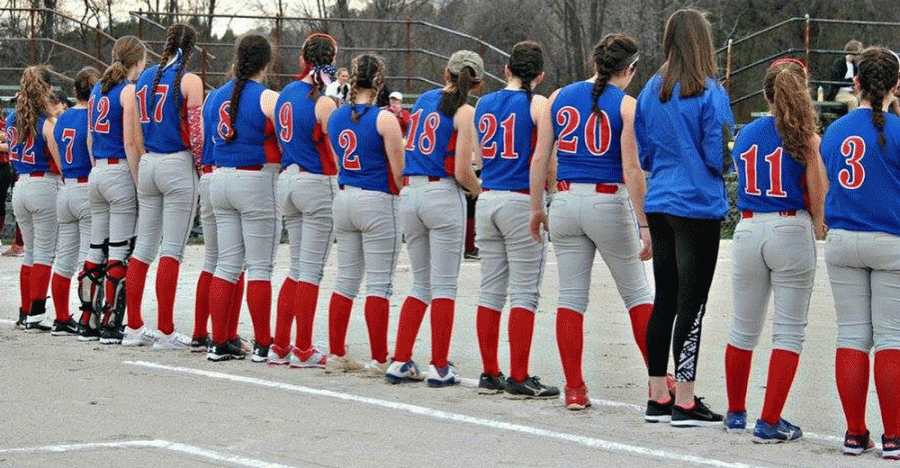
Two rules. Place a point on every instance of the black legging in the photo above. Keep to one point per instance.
(7, 176)
(684, 260)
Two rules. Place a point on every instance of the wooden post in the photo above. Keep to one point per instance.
(409, 70)
(806, 41)
(728, 67)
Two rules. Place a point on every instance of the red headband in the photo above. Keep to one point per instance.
(788, 60)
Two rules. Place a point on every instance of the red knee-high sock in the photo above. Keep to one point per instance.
(782, 368)
(570, 340)
(59, 289)
(134, 292)
(25, 287)
(305, 301)
(521, 329)
(737, 376)
(441, 330)
(851, 368)
(234, 308)
(887, 383)
(640, 316)
(377, 316)
(338, 321)
(411, 315)
(19, 240)
(487, 324)
(284, 313)
(221, 294)
(201, 304)
(166, 281)
(40, 281)
(259, 300)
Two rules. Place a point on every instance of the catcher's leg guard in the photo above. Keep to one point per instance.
(114, 313)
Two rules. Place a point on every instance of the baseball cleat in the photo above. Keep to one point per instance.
(173, 341)
(531, 387)
(86, 333)
(376, 369)
(311, 358)
(337, 363)
(765, 433)
(735, 422)
(140, 337)
(224, 352)
(659, 412)
(260, 352)
(36, 323)
(698, 415)
(200, 345)
(399, 372)
(857, 444)
(890, 447)
(110, 335)
(491, 384)
(577, 399)
(279, 356)
(442, 376)
(69, 328)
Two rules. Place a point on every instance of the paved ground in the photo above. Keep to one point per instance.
(73, 404)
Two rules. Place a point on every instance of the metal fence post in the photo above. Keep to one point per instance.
(408, 55)
(728, 68)
(806, 40)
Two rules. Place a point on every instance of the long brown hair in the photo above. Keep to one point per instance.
(877, 70)
(787, 92)
(614, 53)
(85, 80)
(127, 51)
(180, 40)
(33, 101)
(367, 73)
(251, 54)
(687, 45)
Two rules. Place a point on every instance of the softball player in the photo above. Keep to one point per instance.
(506, 122)
(243, 196)
(600, 201)
(862, 158)
(306, 190)
(33, 154)
(116, 144)
(369, 146)
(73, 211)
(433, 214)
(682, 118)
(169, 100)
(774, 249)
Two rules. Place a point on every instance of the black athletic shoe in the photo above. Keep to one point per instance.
(489, 384)
(37, 325)
(111, 335)
(472, 255)
(659, 412)
(199, 345)
(699, 415)
(69, 328)
(260, 353)
(20, 324)
(86, 333)
(224, 352)
(531, 387)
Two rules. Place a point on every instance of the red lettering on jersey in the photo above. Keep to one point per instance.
(853, 148)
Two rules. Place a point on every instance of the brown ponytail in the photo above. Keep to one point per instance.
(461, 84)
(787, 92)
(33, 101)
(318, 49)
(85, 80)
(878, 73)
(252, 53)
(127, 51)
(614, 53)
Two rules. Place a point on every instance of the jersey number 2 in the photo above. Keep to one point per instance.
(751, 185)
(347, 141)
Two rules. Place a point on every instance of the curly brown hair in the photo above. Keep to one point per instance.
(787, 92)
(33, 101)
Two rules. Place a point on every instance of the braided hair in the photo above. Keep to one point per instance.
(33, 101)
(127, 51)
(84, 82)
(367, 72)
(877, 68)
(787, 91)
(526, 62)
(180, 40)
(252, 54)
(318, 51)
(614, 53)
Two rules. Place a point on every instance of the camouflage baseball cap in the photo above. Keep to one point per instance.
(466, 58)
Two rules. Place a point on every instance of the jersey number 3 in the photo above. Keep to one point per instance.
(751, 184)
(853, 148)
(347, 141)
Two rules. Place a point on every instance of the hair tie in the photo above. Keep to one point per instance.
(325, 73)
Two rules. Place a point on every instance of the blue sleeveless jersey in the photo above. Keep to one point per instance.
(209, 127)
(431, 141)
(588, 146)
(255, 142)
(507, 135)
(32, 155)
(105, 122)
(769, 179)
(163, 112)
(864, 177)
(360, 149)
(70, 134)
(300, 134)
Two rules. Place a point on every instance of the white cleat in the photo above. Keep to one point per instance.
(140, 337)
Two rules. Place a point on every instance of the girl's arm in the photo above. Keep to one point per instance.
(817, 187)
(325, 106)
(47, 131)
(389, 129)
(633, 175)
(132, 134)
(192, 92)
(540, 161)
(464, 122)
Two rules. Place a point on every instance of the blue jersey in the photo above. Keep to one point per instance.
(360, 149)
(864, 177)
(431, 141)
(70, 134)
(302, 140)
(507, 135)
(209, 126)
(105, 122)
(255, 142)
(163, 112)
(31, 155)
(769, 179)
(588, 145)
(681, 143)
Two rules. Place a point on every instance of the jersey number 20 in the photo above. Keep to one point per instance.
(597, 134)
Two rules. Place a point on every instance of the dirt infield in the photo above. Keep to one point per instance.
(73, 404)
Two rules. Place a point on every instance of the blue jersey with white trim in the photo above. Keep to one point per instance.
(70, 134)
(864, 177)
(255, 142)
(105, 122)
(588, 145)
(769, 179)
(31, 155)
(506, 134)
(300, 134)
(163, 112)
(431, 141)
(360, 149)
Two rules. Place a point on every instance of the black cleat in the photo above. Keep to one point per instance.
(111, 335)
(491, 384)
(69, 328)
(224, 352)
(199, 345)
(86, 333)
(260, 352)
(531, 387)
(699, 415)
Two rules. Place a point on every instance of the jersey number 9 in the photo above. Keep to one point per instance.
(286, 122)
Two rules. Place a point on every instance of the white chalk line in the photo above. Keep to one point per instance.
(447, 416)
(157, 444)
